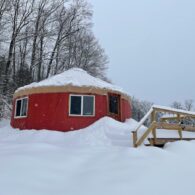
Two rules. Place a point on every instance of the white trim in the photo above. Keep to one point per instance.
(82, 97)
(17, 117)
(81, 105)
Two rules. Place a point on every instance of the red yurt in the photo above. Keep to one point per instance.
(68, 101)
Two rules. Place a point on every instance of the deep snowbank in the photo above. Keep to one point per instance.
(92, 162)
(105, 132)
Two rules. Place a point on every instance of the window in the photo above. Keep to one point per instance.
(21, 107)
(75, 107)
(82, 105)
(114, 101)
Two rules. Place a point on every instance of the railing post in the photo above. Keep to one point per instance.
(153, 119)
(134, 138)
(136, 141)
(179, 130)
(154, 135)
(180, 133)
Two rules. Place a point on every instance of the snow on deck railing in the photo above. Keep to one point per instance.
(169, 109)
(152, 128)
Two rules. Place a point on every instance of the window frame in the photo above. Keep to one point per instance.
(82, 101)
(20, 99)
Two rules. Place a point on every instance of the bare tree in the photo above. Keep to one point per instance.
(4, 7)
(85, 52)
(21, 11)
(177, 105)
(69, 21)
(140, 108)
(64, 29)
(43, 22)
(45, 37)
(23, 48)
(188, 104)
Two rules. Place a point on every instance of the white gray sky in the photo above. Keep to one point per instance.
(151, 46)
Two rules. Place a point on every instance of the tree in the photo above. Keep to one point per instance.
(177, 105)
(42, 38)
(188, 104)
(4, 9)
(64, 28)
(23, 77)
(19, 14)
(43, 21)
(140, 108)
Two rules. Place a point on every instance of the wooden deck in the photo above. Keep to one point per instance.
(160, 142)
(163, 124)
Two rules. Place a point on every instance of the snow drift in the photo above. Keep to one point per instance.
(96, 160)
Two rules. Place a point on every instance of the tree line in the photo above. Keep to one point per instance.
(41, 38)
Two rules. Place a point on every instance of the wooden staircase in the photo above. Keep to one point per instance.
(163, 123)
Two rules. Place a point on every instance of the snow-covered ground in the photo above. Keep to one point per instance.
(98, 160)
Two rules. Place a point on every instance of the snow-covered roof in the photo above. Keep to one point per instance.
(74, 77)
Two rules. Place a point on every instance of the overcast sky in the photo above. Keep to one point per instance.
(151, 46)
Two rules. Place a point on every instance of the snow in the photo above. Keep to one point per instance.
(74, 77)
(163, 133)
(168, 115)
(144, 119)
(92, 161)
(174, 109)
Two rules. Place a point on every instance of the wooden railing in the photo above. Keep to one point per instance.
(151, 129)
(138, 142)
(152, 115)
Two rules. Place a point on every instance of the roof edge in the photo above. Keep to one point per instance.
(68, 88)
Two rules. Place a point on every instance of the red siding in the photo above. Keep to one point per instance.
(50, 111)
(125, 110)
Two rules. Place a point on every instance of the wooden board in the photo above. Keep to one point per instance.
(163, 141)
